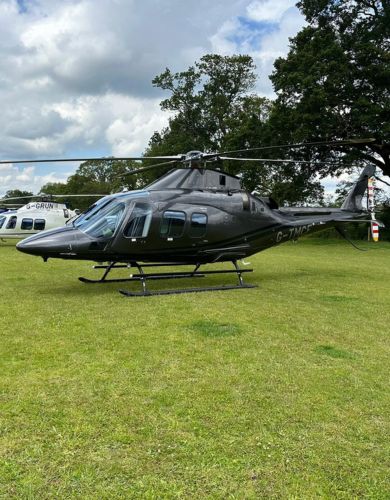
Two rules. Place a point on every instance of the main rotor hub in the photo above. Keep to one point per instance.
(194, 159)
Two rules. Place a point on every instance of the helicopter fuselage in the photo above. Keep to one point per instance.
(179, 225)
(33, 218)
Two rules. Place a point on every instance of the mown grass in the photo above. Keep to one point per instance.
(279, 391)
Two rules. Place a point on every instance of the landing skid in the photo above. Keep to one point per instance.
(143, 277)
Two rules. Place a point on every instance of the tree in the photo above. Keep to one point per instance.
(334, 82)
(205, 99)
(213, 109)
(23, 196)
(94, 177)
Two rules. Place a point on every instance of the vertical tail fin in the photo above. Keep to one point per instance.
(353, 201)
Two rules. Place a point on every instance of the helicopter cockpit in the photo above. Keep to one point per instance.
(102, 223)
(102, 219)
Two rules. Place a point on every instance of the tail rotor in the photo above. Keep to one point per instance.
(371, 208)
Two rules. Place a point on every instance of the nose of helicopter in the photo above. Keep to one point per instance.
(50, 243)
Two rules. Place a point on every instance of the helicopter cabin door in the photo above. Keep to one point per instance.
(138, 224)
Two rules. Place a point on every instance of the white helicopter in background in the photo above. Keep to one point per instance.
(36, 216)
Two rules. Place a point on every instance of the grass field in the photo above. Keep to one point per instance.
(280, 391)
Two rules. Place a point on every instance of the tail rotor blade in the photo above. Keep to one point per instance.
(371, 208)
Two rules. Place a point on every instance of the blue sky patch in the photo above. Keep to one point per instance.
(251, 32)
(22, 6)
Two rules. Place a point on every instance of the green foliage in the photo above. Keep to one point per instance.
(213, 110)
(94, 177)
(17, 193)
(383, 215)
(207, 99)
(334, 83)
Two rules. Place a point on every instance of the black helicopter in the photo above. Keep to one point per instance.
(192, 215)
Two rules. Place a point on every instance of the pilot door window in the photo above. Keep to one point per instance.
(139, 222)
(172, 224)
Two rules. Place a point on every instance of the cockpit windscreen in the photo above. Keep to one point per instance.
(102, 223)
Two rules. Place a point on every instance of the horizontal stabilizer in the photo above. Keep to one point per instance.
(380, 224)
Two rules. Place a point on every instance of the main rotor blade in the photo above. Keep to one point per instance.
(111, 158)
(149, 167)
(272, 160)
(19, 197)
(70, 195)
(347, 142)
(50, 196)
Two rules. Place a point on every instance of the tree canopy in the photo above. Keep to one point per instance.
(23, 197)
(207, 101)
(334, 82)
(214, 109)
(97, 176)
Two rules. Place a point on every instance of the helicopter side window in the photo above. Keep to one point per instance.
(27, 224)
(2, 219)
(172, 224)
(198, 225)
(139, 222)
(257, 206)
(39, 224)
(12, 222)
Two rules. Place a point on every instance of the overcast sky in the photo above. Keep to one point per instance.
(75, 75)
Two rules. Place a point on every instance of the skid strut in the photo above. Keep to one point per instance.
(143, 277)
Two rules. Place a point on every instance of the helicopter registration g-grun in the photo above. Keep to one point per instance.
(190, 216)
(40, 214)
(33, 218)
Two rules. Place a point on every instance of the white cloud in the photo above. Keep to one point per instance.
(275, 44)
(268, 10)
(75, 76)
(330, 183)
(221, 41)
(26, 178)
(264, 34)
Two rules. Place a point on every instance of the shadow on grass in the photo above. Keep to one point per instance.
(261, 276)
(278, 278)
(6, 243)
(208, 328)
(88, 289)
(339, 298)
(333, 352)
